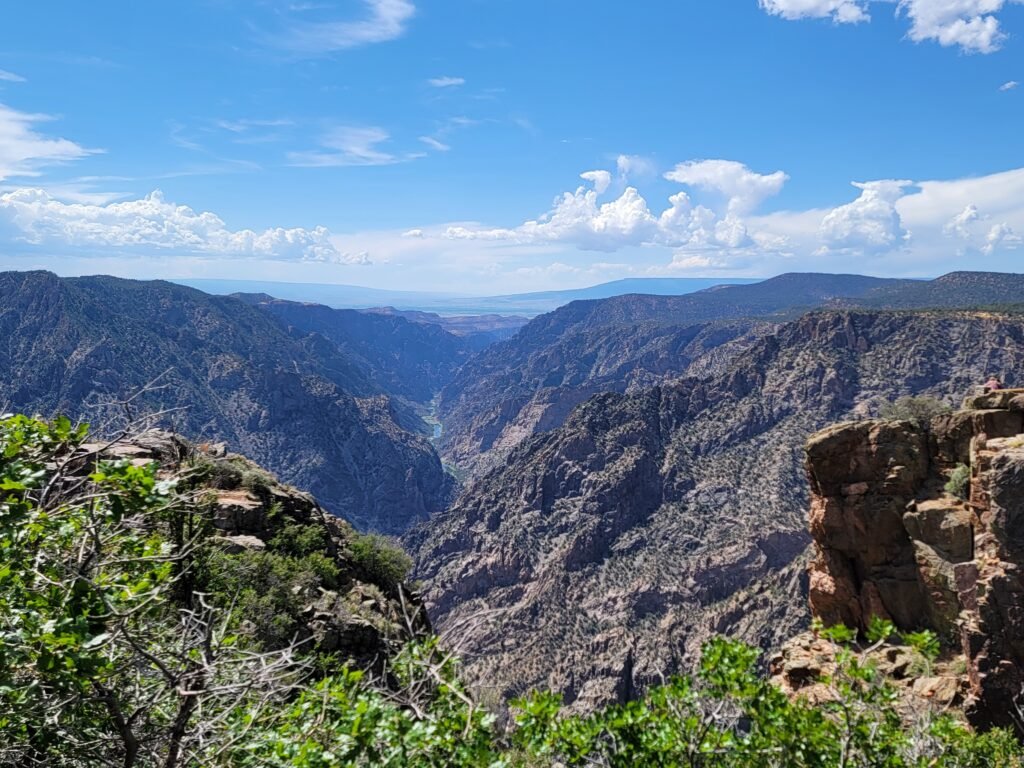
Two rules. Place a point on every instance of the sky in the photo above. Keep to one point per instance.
(494, 146)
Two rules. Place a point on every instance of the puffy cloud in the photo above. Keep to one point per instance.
(840, 11)
(417, 233)
(446, 82)
(971, 25)
(959, 225)
(634, 166)
(744, 188)
(1009, 85)
(23, 150)
(154, 223)
(1001, 236)
(578, 218)
(871, 223)
(386, 20)
(600, 179)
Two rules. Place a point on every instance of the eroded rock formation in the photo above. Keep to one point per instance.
(892, 541)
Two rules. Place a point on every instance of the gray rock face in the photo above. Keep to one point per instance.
(230, 373)
(603, 553)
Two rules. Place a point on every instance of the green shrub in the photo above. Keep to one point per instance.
(919, 410)
(380, 560)
(959, 483)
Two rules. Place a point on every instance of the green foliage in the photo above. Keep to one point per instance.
(880, 630)
(76, 580)
(268, 590)
(344, 720)
(730, 717)
(959, 483)
(919, 410)
(379, 559)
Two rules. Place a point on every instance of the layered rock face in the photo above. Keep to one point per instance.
(532, 382)
(890, 541)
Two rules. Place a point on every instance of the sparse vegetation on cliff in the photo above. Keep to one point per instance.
(959, 482)
(918, 410)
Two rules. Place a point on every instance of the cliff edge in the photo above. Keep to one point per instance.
(898, 537)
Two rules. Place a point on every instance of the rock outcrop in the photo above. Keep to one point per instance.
(891, 540)
(345, 609)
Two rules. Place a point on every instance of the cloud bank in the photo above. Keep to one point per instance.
(152, 224)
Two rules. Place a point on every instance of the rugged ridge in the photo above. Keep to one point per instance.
(618, 542)
(891, 542)
(626, 343)
(294, 402)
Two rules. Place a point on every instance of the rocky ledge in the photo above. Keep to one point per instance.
(356, 613)
(896, 536)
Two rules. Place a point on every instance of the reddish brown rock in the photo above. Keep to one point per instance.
(891, 542)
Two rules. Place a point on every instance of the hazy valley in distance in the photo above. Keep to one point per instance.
(525, 304)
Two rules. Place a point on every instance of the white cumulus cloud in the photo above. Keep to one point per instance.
(1009, 85)
(744, 188)
(1001, 236)
(580, 219)
(634, 166)
(871, 223)
(600, 179)
(840, 11)
(152, 223)
(959, 225)
(971, 25)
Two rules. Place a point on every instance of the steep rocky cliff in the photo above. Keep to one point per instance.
(294, 401)
(891, 541)
(602, 553)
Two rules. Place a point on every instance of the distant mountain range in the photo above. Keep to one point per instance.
(531, 382)
(528, 304)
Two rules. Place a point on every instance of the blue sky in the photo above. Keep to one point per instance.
(420, 144)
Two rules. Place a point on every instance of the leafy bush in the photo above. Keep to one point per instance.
(959, 483)
(919, 410)
(380, 560)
